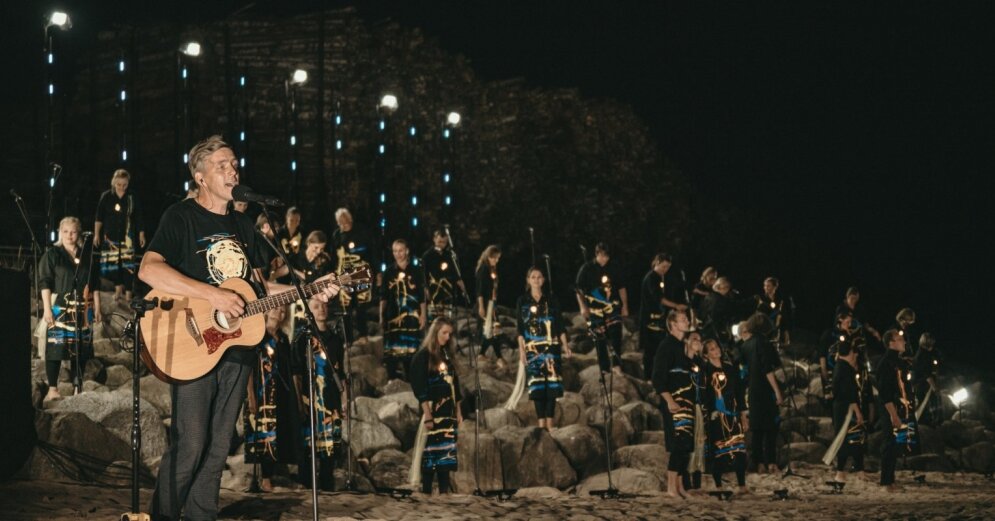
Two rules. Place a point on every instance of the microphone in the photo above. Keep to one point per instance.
(545, 256)
(87, 234)
(14, 194)
(55, 167)
(243, 193)
(530, 230)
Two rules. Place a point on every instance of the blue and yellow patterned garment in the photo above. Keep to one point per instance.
(440, 272)
(403, 291)
(260, 427)
(540, 324)
(438, 384)
(328, 378)
(600, 286)
(56, 272)
(724, 395)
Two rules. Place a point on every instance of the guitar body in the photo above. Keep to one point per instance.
(184, 338)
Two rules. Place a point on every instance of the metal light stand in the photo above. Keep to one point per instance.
(611, 492)
(80, 320)
(790, 389)
(35, 251)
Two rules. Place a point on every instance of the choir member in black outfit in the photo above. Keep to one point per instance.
(772, 304)
(851, 303)
(542, 340)
(672, 380)
(353, 246)
(764, 392)
(272, 421)
(436, 386)
(118, 231)
(925, 369)
(848, 390)
(315, 263)
(703, 288)
(486, 276)
(728, 421)
(841, 333)
(603, 302)
(721, 309)
(330, 392)
(443, 282)
(894, 383)
(290, 238)
(904, 320)
(59, 266)
(403, 309)
(657, 296)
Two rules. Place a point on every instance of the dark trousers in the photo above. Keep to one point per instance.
(545, 407)
(426, 481)
(854, 452)
(613, 337)
(53, 367)
(691, 480)
(648, 342)
(204, 413)
(397, 366)
(738, 463)
(355, 320)
(678, 462)
(326, 470)
(889, 456)
(764, 446)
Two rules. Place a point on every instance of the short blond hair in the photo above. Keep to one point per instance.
(120, 173)
(68, 220)
(200, 152)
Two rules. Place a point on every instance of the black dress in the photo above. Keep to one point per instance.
(599, 287)
(894, 382)
(56, 271)
(121, 223)
(272, 433)
(439, 385)
(672, 373)
(351, 250)
(761, 359)
(652, 318)
(725, 398)
(848, 390)
(403, 291)
(440, 273)
(541, 325)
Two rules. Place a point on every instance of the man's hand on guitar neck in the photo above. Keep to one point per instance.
(330, 291)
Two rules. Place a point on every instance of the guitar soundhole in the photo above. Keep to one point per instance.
(224, 324)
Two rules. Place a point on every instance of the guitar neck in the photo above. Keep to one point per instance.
(286, 298)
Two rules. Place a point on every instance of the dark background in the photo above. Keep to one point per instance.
(845, 144)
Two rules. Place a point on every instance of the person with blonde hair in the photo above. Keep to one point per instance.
(67, 281)
(436, 386)
(119, 232)
(487, 279)
(904, 320)
(352, 246)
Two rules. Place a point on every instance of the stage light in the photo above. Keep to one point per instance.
(383, 266)
(446, 178)
(338, 119)
(449, 200)
(124, 155)
(51, 89)
(186, 158)
(453, 119)
(241, 81)
(338, 144)
(959, 397)
(241, 136)
(120, 66)
(60, 19)
(191, 49)
(388, 102)
(445, 133)
(414, 221)
(414, 200)
(383, 125)
(383, 149)
(299, 77)
(412, 131)
(383, 197)
(124, 95)
(51, 58)
(293, 140)
(241, 162)
(293, 165)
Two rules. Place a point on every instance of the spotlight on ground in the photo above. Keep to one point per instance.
(960, 396)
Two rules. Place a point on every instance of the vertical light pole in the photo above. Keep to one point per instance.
(453, 120)
(61, 20)
(385, 109)
(338, 144)
(243, 131)
(182, 124)
(291, 86)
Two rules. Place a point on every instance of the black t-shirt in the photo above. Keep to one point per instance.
(351, 248)
(669, 354)
(652, 291)
(119, 216)
(208, 247)
(487, 282)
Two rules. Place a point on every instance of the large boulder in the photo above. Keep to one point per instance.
(402, 420)
(370, 437)
(584, 448)
(368, 370)
(114, 412)
(805, 452)
(237, 475)
(490, 461)
(493, 392)
(626, 480)
(76, 432)
(570, 409)
(823, 431)
(653, 437)
(395, 386)
(389, 468)
(927, 463)
(955, 434)
(533, 459)
(158, 393)
(367, 407)
(979, 457)
(643, 416)
(621, 430)
(647, 392)
(649, 457)
(498, 417)
(117, 376)
(632, 364)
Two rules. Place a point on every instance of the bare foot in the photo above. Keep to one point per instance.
(53, 394)
(892, 489)
(743, 490)
(266, 485)
(675, 494)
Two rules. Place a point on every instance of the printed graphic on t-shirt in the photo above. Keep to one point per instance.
(225, 257)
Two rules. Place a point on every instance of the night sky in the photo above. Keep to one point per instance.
(856, 138)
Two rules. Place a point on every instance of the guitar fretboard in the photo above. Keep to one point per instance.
(289, 297)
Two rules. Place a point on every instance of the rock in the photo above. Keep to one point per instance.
(649, 457)
(490, 461)
(643, 416)
(654, 437)
(361, 481)
(538, 493)
(979, 457)
(389, 468)
(593, 393)
(584, 448)
(104, 347)
(118, 375)
(370, 437)
(91, 386)
(621, 429)
(626, 480)
(978, 434)
(493, 392)
(647, 392)
(158, 393)
(367, 408)
(632, 364)
(402, 420)
(498, 417)
(928, 463)
(76, 432)
(113, 411)
(95, 371)
(532, 458)
(368, 370)
(395, 386)
(570, 409)
(954, 434)
(407, 399)
(237, 474)
(824, 431)
(804, 452)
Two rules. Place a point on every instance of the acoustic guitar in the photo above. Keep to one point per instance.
(184, 338)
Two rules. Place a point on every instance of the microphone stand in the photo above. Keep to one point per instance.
(79, 319)
(350, 483)
(35, 250)
(472, 356)
(133, 327)
(309, 329)
(532, 242)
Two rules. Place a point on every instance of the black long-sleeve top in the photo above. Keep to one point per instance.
(487, 282)
(894, 382)
(420, 372)
(845, 387)
(652, 291)
(355, 243)
(120, 216)
(669, 355)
